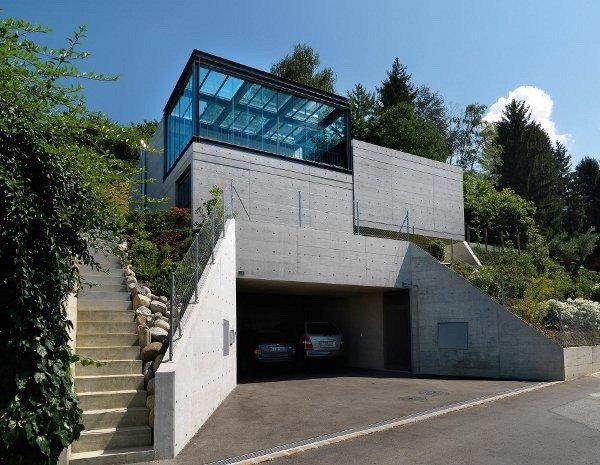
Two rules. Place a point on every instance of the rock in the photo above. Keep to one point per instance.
(128, 271)
(158, 334)
(151, 351)
(146, 291)
(122, 246)
(163, 299)
(148, 376)
(143, 336)
(157, 306)
(141, 320)
(130, 280)
(132, 288)
(151, 418)
(162, 324)
(157, 316)
(141, 301)
(151, 386)
(150, 402)
(157, 361)
(143, 311)
(168, 314)
(147, 366)
(153, 297)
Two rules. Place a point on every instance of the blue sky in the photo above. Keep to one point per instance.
(469, 51)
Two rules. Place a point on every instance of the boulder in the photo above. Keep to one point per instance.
(148, 376)
(141, 301)
(146, 291)
(153, 297)
(147, 366)
(151, 351)
(168, 314)
(141, 320)
(132, 289)
(163, 299)
(143, 311)
(151, 418)
(157, 306)
(159, 334)
(150, 402)
(161, 324)
(157, 361)
(130, 280)
(151, 386)
(157, 316)
(143, 336)
(128, 271)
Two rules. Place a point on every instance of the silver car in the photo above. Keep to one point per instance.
(321, 340)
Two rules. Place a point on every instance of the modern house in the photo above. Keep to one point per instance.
(313, 210)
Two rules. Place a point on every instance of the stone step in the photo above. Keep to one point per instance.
(116, 316)
(103, 304)
(105, 327)
(115, 418)
(101, 258)
(112, 456)
(112, 367)
(111, 399)
(113, 438)
(107, 340)
(105, 288)
(101, 294)
(109, 353)
(105, 270)
(102, 279)
(109, 383)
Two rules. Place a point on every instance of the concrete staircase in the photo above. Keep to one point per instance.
(112, 397)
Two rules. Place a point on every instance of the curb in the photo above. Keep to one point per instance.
(285, 450)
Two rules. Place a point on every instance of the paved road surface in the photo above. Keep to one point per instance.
(555, 425)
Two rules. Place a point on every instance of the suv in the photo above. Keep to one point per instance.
(321, 340)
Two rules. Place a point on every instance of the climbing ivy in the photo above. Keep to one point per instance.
(61, 189)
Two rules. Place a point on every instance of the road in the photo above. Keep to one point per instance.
(559, 424)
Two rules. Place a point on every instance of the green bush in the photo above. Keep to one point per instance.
(437, 249)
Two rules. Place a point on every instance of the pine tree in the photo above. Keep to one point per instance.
(363, 106)
(587, 180)
(396, 88)
(301, 66)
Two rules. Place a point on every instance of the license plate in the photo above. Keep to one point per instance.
(326, 344)
(278, 349)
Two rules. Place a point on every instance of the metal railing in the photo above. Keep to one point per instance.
(184, 280)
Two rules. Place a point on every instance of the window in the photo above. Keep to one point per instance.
(453, 335)
(183, 193)
(179, 125)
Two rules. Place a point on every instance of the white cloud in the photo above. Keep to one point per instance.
(539, 102)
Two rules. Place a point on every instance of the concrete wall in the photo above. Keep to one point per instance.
(200, 377)
(500, 345)
(388, 182)
(581, 361)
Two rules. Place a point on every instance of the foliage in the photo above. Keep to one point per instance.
(60, 186)
(431, 106)
(497, 210)
(400, 128)
(302, 65)
(437, 249)
(573, 252)
(576, 314)
(363, 107)
(469, 137)
(396, 88)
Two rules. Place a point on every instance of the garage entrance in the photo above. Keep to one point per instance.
(372, 324)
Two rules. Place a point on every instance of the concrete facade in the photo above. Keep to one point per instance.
(202, 373)
(581, 361)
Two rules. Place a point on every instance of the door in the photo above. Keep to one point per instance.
(396, 331)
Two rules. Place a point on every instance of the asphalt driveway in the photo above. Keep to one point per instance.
(272, 410)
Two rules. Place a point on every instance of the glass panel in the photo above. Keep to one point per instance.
(248, 114)
(179, 124)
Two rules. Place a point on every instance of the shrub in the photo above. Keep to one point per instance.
(577, 314)
(437, 249)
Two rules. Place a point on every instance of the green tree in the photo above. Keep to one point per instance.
(587, 185)
(529, 165)
(431, 106)
(469, 137)
(57, 178)
(399, 128)
(302, 66)
(396, 88)
(363, 107)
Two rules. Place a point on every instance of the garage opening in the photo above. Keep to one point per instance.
(343, 326)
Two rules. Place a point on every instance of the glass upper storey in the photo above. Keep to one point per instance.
(243, 111)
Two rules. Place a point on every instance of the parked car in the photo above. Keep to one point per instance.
(321, 340)
(265, 347)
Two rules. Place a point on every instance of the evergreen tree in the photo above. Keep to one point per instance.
(431, 106)
(363, 106)
(302, 65)
(587, 182)
(396, 88)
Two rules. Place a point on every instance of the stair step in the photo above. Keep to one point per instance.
(107, 340)
(103, 304)
(111, 399)
(115, 316)
(115, 418)
(113, 438)
(112, 367)
(105, 327)
(109, 383)
(109, 353)
(112, 456)
(101, 258)
(113, 270)
(102, 279)
(101, 294)
(105, 288)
